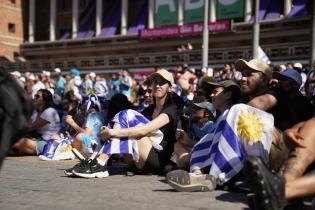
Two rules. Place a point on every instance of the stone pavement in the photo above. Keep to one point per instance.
(28, 183)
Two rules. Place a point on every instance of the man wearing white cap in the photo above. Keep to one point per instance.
(60, 82)
(48, 82)
(16, 76)
(38, 85)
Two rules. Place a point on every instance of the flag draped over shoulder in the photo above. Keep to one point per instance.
(128, 145)
(242, 130)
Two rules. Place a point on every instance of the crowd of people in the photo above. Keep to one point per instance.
(179, 123)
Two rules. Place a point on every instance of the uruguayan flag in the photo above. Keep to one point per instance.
(263, 56)
(241, 130)
(62, 151)
(128, 145)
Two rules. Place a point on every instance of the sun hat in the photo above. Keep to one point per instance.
(254, 64)
(163, 73)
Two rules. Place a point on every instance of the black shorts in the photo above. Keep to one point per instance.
(153, 163)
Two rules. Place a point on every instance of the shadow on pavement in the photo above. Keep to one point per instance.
(232, 197)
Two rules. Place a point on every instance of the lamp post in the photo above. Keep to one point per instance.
(256, 30)
(312, 58)
(205, 36)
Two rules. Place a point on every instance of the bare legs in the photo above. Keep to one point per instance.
(77, 142)
(183, 155)
(25, 146)
(144, 148)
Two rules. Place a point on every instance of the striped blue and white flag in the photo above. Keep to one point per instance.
(60, 151)
(263, 56)
(242, 130)
(128, 145)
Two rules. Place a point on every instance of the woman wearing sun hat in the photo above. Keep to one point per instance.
(148, 140)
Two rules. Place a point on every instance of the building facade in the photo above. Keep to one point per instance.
(104, 35)
(11, 29)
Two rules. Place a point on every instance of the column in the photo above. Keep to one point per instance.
(31, 23)
(248, 10)
(124, 17)
(256, 29)
(180, 13)
(151, 14)
(212, 11)
(312, 58)
(99, 17)
(75, 18)
(205, 36)
(52, 29)
(287, 7)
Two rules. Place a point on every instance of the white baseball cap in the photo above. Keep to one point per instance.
(16, 73)
(57, 70)
(298, 65)
(92, 74)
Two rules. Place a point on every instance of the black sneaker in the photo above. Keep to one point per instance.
(82, 163)
(91, 170)
(268, 187)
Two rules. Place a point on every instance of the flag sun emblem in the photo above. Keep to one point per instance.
(249, 127)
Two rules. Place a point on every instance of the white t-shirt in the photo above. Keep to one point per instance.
(50, 130)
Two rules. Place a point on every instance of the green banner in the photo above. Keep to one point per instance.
(194, 11)
(229, 9)
(165, 13)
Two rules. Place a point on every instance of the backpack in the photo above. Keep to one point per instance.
(15, 112)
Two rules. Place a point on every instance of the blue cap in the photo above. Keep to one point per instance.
(293, 74)
(75, 71)
(206, 105)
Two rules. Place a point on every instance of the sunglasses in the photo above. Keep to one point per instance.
(148, 91)
(37, 96)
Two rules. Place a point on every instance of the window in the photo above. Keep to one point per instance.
(11, 28)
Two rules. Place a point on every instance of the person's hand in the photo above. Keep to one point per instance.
(273, 83)
(294, 137)
(183, 138)
(179, 133)
(105, 133)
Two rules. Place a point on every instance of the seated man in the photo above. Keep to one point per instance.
(272, 191)
(284, 101)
